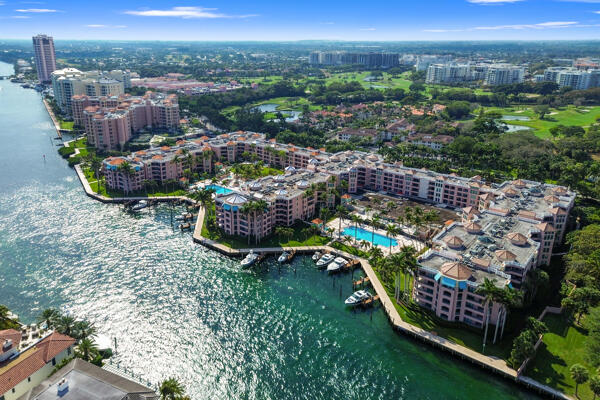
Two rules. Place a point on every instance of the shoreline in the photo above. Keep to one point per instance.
(53, 118)
(490, 364)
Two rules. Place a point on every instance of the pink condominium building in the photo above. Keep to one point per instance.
(110, 121)
(505, 230)
(45, 58)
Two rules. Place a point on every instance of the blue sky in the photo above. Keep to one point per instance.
(304, 19)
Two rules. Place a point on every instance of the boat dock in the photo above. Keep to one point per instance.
(361, 282)
(370, 301)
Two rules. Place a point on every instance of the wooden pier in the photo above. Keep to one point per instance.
(361, 281)
(370, 301)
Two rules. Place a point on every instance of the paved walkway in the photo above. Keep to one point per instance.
(53, 117)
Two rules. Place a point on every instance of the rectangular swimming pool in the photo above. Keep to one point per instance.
(219, 189)
(363, 234)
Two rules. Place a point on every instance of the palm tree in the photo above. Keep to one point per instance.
(595, 386)
(65, 325)
(356, 219)
(87, 349)
(49, 316)
(127, 170)
(365, 244)
(260, 207)
(391, 230)
(247, 210)
(580, 375)
(171, 389)
(340, 213)
(374, 224)
(84, 330)
(489, 291)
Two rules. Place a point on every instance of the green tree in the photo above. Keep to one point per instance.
(87, 349)
(580, 375)
(50, 316)
(171, 389)
(595, 386)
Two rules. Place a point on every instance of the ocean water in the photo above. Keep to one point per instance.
(178, 309)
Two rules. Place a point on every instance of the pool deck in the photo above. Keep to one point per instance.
(493, 364)
(401, 239)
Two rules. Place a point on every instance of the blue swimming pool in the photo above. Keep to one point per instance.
(363, 234)
(219, 189)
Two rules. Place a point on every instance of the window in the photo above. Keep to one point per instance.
(53, 361)
(28, 379)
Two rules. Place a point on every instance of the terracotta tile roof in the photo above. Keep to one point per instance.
(33, 360)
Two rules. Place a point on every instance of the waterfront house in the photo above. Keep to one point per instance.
(23, 369)
(80, 380)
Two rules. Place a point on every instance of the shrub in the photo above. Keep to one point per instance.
(66, 152)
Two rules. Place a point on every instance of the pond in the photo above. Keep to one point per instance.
(515, 118)
(272, 107)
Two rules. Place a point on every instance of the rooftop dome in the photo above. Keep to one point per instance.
(456, 270)
(517, 238)
(290, 169)
(505, 255)
(303, 184)
(473, 227)
(313, 161)
(551, 199)
(236, 199)
(453, 242)
(510, 191)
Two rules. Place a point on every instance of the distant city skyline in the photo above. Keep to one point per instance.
(310, 20)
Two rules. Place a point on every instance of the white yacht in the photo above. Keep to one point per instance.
(326, 259)
(283, 257)
(139, 205)
(357, 298)
(316, 256)
(249, 260)
(337, 264)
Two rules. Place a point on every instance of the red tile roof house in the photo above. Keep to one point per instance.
(22, 370)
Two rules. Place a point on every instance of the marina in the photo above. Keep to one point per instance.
(183, 309)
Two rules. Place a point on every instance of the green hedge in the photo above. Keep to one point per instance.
(66, 152)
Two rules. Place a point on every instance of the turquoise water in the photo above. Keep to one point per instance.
(363, 234)
(219, 189)
(180, 310)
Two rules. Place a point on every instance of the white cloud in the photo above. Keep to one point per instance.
(541, 25)
(186, 13)
(368, 29)
(489, 2)
(327, 23)
(20, 17)
(35, 10)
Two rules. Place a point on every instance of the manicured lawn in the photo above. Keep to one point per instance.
(80, 144)
(350, 249)
(458, 333)
(564, 345)
(569, 116)
(66, 125)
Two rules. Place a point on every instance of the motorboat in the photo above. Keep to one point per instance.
(316, 256)
(283, 257)
(325, 260)
(139, 205)
(337, 264)
(249, 260)
(357, 298)
(179, 217)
